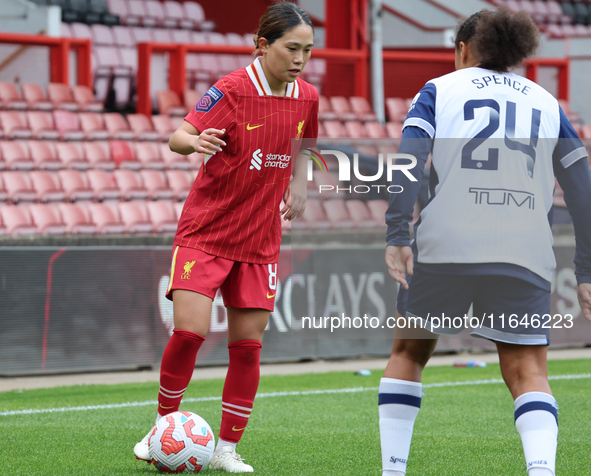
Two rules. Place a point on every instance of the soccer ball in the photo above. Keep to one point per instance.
(181, 442)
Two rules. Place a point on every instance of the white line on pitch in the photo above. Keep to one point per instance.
(267, 395)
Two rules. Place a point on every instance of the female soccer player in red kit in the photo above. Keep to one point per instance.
(229, 233)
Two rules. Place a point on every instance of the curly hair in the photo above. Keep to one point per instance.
(500, 40)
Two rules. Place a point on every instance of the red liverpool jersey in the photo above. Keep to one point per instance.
(233, 208)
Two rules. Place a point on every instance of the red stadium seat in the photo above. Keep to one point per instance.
(325, 112)
(121, 8)
(17, 220)
(105, 218)
(175, 13)
(378, 211)
(335, 130)
(322, 130)
(190, 98)
(75, 185)
(135, 217)
(180, 181)
(112, 72)
(98, 155)
(181, 36)
(85, 99)
(362, 109)
(103, 184)
(169, 103)
(117, 126)
(136, 9)
(68, 125)
(337, 213)
(35, 97)
(172, 160)
(131, 185)
(47, 186)
(47, 219)
(71, 155)
(142, 126)
(156, 184)
(60, 96)
(102, 35)
(75, 218)
(123, 154)
(122, 36)
(44, 155)
(342, 108)
(397, 109)
(14, 124)
(155, 10)
(16, 155)
(375, 130)
(314, 217)
(10, 97)
(19, 186)
(93, 126)
(65, 30)
(162, 216)
(360, 214)
(355, 129)
(162, 35)
(148, 154)
(394, 129)
(195, 12)
(42, 125)
(80, 30)
(163, 125)
(142, 35)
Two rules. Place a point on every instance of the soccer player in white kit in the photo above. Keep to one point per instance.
(484, 239)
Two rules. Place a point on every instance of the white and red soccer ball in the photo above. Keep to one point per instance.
(181, 442)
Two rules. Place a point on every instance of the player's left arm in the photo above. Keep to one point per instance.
(572, 172)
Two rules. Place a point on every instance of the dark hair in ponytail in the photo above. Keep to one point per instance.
(499, 39)
(278, 19)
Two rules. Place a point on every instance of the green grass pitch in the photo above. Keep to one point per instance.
(462, 430)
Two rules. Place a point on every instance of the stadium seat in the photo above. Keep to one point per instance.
(325, 112)
(162, 35)
(61, 97)
(67, 125)
(142, 35)
(162, 216)
(80, 30)
(85, 99)
(375, 130)
(314, 217)
(394, 130)
(47, 219)
(178, 209)
(163, 126)
(17, 220)
(169, 103)
(10, 97)
(75, 185)
(42, 125)
(122, 36)
(16, 155)
(105, 218)
(131, 185)
(156, 184)
(19, 186)
(135, 217)
(195, 12)
(121, 9)
(342, 108)
(322, 130)
(378, 210)
(175, 13)
(180, 181)
(47, 186)
(123, 154)
(155, 10)
(396, 109)
(3, 192)
(337, 213)
(335, 130)
(65, 31)
(71, 155)
(112, 73)
(117, 126)
(92, 125)
(44, 155)
(136, 9)
(360, 214)
(181, 36)
(75, 218)
(362, 109)
(35, 97)
(98, 155)
(103, 185)
(172, 160)
(148, 154)
(14, 124)
(142, 127)
(355, 129)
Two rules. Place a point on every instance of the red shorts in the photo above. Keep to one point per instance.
(243, 285)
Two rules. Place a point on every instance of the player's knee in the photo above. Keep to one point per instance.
(417, 351)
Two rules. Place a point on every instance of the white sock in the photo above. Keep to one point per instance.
(399, 403)
(536, 420)
(221, 444)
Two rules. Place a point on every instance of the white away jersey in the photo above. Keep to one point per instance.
(496, 143)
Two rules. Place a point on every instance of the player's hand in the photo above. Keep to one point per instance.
(584, 295)
(295, 197)
(208, 143)
(399, 260)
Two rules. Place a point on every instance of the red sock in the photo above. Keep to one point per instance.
(240, 388)
(178, 362)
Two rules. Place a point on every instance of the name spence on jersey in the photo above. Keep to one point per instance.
(493, 80)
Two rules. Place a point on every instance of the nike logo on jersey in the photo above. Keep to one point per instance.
(250, 128)
(238, 429)
(269, 297)
(166, 408)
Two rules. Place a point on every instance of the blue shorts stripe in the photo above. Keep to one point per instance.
(531, 406)
(400, 398)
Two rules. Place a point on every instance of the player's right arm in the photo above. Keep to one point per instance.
(187, 139)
